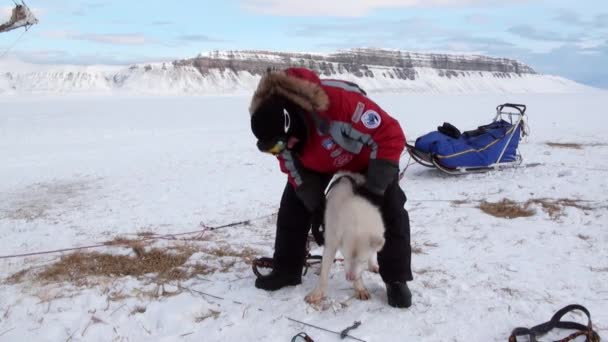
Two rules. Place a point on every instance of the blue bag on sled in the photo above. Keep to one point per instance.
(486, 148)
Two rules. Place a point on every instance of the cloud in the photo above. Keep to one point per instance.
(572, 18)
(197, 38)
(418, 32)
(353, 8)
(529, 32)
(590, 44)
(343, 27)
(601, 20)
(86, 8)
(569, 17)
(114, 39)
(387, 30)
(585, 66)
(478, 19)
(56, 34)
(63, 57)
(414, 34)
(473, 44)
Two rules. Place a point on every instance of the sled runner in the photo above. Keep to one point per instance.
(489, 147)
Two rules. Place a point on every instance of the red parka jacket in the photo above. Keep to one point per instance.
(348, 132)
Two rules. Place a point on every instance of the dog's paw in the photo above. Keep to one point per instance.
(362, 294)
(374, 268)
(314, 297)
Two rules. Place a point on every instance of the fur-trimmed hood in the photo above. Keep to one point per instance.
(308, 95)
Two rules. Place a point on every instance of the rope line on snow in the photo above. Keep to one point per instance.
(343, 334)
(214, 228)
(147, 238)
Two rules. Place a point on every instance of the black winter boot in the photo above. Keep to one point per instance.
(276, 280)
(399, 295)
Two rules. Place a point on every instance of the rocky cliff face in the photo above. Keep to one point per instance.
(358, 62)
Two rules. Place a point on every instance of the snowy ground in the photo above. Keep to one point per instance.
(83, 170)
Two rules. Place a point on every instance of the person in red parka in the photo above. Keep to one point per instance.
(317, 128)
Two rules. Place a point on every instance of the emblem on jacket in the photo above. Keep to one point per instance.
(328, 143)
(371, 119)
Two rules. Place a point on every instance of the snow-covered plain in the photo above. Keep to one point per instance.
(82, 170)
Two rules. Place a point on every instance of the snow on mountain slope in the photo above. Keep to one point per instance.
(238, 72)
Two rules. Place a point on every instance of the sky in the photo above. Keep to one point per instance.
(568, 38)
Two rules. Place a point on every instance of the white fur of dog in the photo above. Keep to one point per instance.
(354, 226)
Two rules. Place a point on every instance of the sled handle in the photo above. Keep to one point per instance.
(521, 108)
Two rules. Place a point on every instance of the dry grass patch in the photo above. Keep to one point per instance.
(17, 277)
(507, 290)
(81, 268)
(506, 209)
(211, 314)
(201, 269)
(247, 254)
(424, 271)
(574, 146)
(510, 209)
(117, 296)
(420, 248)
(138, 310)
(583, 237)
(123, 241)
(417, 249)
(75, 267)
(555, 207)
(159, 265)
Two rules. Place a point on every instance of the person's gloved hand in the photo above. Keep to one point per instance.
(373, 198)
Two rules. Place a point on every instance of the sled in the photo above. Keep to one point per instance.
(490, 147)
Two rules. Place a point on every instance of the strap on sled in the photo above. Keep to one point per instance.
(556, 322)
(449, 130)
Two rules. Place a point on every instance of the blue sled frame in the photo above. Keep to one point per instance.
(513, 114)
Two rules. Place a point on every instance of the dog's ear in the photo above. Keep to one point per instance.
(376, 242)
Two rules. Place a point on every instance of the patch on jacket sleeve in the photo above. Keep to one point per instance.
(358, 112)
(328, 143)
(371, 119)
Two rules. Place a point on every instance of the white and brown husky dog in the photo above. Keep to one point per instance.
(354, 226)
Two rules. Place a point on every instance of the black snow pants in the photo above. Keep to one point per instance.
(294, 221)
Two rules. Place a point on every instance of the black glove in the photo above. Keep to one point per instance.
(317, 223)
(372, 197)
